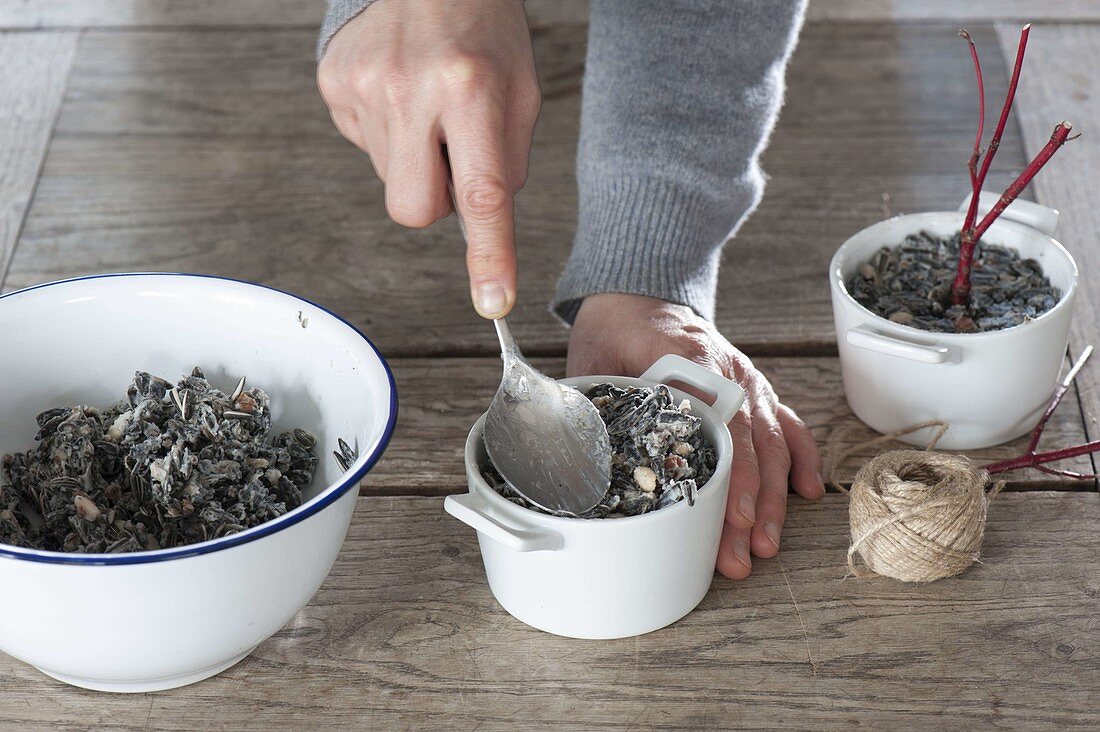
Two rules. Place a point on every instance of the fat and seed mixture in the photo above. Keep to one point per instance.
(659, 455)
(169, 466)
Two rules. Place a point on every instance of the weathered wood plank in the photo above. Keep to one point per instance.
(159, 13)
(275, 13)
(405, 634)
(245, 14)
(441, 398)
(164, 160)
(1058, 85)
(952, 10)
(35, 66)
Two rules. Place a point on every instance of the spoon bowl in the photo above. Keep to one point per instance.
(546, 439)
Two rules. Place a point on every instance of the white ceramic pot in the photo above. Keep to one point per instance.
(155, 620)
(991, 387)
(606, 578)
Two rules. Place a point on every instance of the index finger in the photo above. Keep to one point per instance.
(483, 194)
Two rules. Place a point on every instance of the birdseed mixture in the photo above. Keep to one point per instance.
(911, 285)
(170, 466)
(658, 453)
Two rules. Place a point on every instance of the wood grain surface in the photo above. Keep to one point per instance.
(210, 151)
(281, 13)
(240, 14)
(441, 399)
(406, 635)
(1058, 85)
(953, 10)
(190, 136)
(35, 67)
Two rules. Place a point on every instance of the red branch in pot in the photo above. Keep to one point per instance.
(972, 230)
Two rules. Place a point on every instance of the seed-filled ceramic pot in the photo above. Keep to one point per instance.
(990, 387)
(611, 577)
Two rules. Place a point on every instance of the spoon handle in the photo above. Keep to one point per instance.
(454, 201)
(509, 351)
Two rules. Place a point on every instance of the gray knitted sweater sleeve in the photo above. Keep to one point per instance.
(679, 99)
(338, 15)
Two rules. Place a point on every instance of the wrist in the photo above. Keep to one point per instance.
(619, 306)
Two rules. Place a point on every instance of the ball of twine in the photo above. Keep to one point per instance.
(918, 516)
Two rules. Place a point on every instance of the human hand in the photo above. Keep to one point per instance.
(404, 78)
(618, 334)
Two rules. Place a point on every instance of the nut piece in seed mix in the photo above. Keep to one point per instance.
(911, 285)
(170, 466)
(658, 453)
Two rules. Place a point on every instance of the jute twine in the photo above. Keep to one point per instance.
(916, 516)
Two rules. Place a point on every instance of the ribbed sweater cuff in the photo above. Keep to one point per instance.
(340, 12)
(644, 237)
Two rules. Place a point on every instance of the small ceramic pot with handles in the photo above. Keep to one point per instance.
(613, 577)
(990, 387)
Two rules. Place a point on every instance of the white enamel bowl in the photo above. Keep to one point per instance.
(160, 619)
(606, 578)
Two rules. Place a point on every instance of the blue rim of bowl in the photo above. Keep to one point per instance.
(326, 498)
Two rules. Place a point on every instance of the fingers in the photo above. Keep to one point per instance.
(775, 465)
(734, 550)
(744, 473)
(805, 457)
(734, 558)
(479, 167)
(416, 177)
(358, 132)
(371, 139)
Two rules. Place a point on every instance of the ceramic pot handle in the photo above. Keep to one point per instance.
(727, 394)
(871, 340)
(1028, 213)
(473, 510)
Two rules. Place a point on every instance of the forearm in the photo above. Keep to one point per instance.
(336, 17)
(679, 99)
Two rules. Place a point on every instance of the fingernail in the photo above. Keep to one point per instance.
(746, 506)
(771, 530)
(491, 300)
(821, 481)
(741, 551)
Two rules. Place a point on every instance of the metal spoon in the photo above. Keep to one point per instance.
(546, 439)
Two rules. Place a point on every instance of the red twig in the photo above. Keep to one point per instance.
(1057, 398)
(1066, 473)
(977, 180)
(1035, 459)
(971, 233)
(972, 164)
(1057, 139)
(1032, 459)
(960, 288)
(998, 132)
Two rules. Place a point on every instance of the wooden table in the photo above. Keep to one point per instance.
(171, 137)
